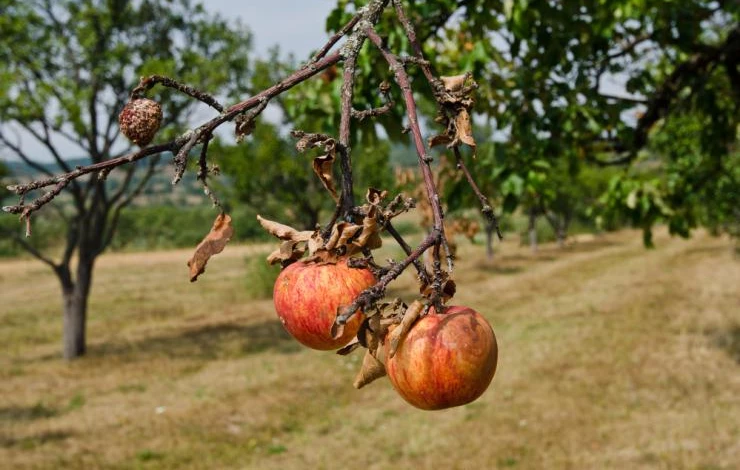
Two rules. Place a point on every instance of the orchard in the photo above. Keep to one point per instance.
(331, 291)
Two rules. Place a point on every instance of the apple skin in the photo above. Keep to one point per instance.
(307, 296)
(445, 360)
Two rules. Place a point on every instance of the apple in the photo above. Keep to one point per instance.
(446, 359)
(307, 297)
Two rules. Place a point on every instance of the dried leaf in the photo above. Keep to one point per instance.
(284, 232)
(409, 317)
(454, 83)
(371, 370)
(315, 243)
(212, 244)
(340, 234)
(375, 196)
(289, 250)
(370, 237)
(440, 139)
(322, 166)
(464, 126)
(354, 344)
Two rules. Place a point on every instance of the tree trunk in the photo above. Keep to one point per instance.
(75, 298)
(490, 228)
(533, 230)
(75, 319)
(561, 236)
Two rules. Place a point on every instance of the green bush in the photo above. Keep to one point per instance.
(260, 277)
(158, 227)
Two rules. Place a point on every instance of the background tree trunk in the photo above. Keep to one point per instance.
(533, 230)
(75, 295)
(490, 229)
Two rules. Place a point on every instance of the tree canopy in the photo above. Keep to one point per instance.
(567, 84)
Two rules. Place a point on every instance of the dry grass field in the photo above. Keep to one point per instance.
(611, 357)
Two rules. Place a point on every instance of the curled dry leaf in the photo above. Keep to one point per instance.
(341, 233)
(464, 128)
(323, 167)
(370, 236)
(454, 83)
(212, 244)
(413, 312)
(294, 242)
(375, 196)
(282, 231)
(440, 139)
(371, 370)
(288, 251)
(354, 344)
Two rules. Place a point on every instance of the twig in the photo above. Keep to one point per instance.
(295, 78)
(403, 81)
(336, 37)
(423, 274)
(372, 294)
(203, 175)
(426, 68)
(147, 83)
(65, 178)
(486, 208)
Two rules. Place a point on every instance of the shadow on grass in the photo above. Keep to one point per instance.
(493, 267)
(208, 342)
(26, 413)
(31, 442)
(729, 340)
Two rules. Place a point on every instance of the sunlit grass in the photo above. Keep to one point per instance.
(611, 356)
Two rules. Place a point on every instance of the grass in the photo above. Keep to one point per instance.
(611, 357)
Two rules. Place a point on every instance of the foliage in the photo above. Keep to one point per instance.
(267, 174)
(161, 227)
(546, 72)
(260, 278)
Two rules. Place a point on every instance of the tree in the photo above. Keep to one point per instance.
(67, 69)
(545, 70)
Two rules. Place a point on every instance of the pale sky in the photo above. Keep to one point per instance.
(296, 25)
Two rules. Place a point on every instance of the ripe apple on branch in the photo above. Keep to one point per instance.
(331, 291)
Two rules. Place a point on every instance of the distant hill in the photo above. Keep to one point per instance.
(21, 169)
(158, 191)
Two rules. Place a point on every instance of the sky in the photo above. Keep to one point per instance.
(297, 26)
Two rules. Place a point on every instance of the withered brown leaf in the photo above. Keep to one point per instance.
(454, 83)
(464, 128)
(371, 370)
(212, 244)
(289, 251)
(440, 139)
(370, 237)
(322, 166)
(413, 312)
(284, 232)
(351, 346)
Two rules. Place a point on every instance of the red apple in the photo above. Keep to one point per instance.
(308, 295)
(446, 359)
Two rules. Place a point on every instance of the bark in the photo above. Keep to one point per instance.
(75, 296)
